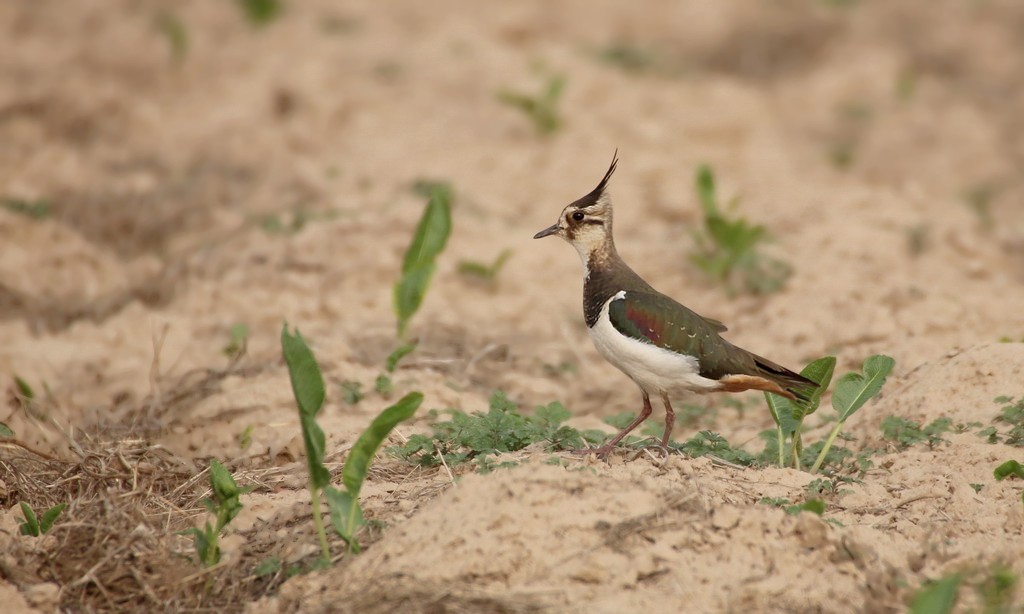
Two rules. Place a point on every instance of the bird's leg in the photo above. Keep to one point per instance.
(606, 449)
(670, 421)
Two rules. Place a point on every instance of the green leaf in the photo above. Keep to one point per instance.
(24, 390)
(1009, 469)
(362, 452)
(49, 516)
(409, 293)
(396, 356)
(308, 386)
(853, 390)
(346, 515)
(485, 271)
(261, 12)
(5, 431)
(706, 190)
(268, 567)
(221, 482)
(937, 597)
(239, 339)
(432, 232)
(31, 524)
(820, 371)
(383, 385)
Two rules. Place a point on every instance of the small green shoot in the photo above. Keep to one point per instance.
(419, 263)
(814, 506)
(1012, 413)
(727, 249)
(268, 567)
(709, 443)
(346, 513)
(383, 385)
(628, 58)
(35, 209)
(308, 386)
(789, 415)
(936, 597)
(485, 272)
(351, 392)
(24, 393)
(1009, 469)
(908, 432)
(172, 28)
(979, 199)
(238, 341)
(245, 438)
(224, 505)
(852, 391)
(36, 526)
(261, 12)
(398, 354)
(541, 108)
(5, 431)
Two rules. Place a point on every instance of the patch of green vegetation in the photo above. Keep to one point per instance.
(905, 433)
(308, 387)
(540, 108)
(245, 438)
(1011, 413)
(979, 199)
(261, 12)
(172, 28)
(419, 263)
(936, 597)
(1009, 469)
(709, 443)
(814, 506)
(482, 271)
(5, 431)
(351, 392)
(851, 392)
(628, 57)
(238, 341)
(224, 505)
(727, 249)
(384, 386)
(473, 437)
(39, 525)
(35, 209)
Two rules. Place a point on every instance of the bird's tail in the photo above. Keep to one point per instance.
(797, 385)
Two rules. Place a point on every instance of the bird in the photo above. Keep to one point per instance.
(664, 347)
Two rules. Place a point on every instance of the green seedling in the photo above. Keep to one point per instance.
(419, 263)
(997, 590)
(979, 199)
(908, 432)
(224, 505)
(351, 392)
(1009, 469)
(1012, 413)
(936, 597)
(709, 443)
(398, 354)
(485, 272)
(629, 58)
(238, 342)
(5, 431)
(384, 386)
(172, 28)
(727, 249)
(541, 108)
(852, 391)
(24, 393)
(245, 438)
(261, 12)
(789, 415)
(346, 513)
(473, 437)
(814, 506)
(35, 209)
(308, 387)
(36, 526)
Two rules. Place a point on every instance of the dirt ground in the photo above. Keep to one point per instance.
(200, 172)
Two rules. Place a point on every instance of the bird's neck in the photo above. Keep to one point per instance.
(598, 257)
(606, 274)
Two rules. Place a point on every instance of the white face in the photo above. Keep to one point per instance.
(584, 227)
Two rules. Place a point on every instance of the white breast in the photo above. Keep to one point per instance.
(654, 369)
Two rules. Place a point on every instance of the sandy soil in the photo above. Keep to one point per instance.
(881, 145)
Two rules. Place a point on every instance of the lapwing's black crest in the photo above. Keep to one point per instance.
(595, 194)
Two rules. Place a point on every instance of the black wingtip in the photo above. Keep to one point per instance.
(596, 193)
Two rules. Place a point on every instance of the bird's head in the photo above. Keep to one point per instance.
(587, 222)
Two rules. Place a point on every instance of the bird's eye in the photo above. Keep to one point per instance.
(578, 216)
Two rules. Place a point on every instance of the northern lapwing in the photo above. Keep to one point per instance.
(661, 345)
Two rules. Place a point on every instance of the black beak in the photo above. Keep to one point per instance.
(550, 230)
